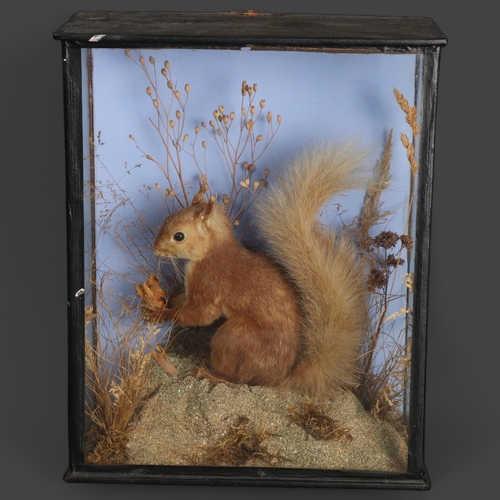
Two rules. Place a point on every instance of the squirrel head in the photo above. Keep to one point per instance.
(193, 232)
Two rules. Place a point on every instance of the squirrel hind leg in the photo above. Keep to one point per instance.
(209, 375)
(246, 353)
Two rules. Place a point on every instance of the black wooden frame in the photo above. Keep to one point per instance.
(264, 31)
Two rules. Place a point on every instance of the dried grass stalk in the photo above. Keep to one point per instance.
(382, 388)
(118, 378)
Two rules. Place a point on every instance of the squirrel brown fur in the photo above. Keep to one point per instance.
(294, 317)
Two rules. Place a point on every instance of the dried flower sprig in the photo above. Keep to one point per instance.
(383, 266)
(245, 140)
(169, 122)
(235, 136)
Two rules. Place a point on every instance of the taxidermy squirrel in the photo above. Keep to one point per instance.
(294, 319)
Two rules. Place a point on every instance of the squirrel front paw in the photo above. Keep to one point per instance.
(154, 298)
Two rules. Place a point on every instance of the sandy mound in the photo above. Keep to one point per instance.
(189, 421)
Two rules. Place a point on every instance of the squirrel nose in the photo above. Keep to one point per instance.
(156, 247)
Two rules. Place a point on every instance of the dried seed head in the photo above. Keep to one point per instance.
(151, 59)
(204, 178)
(236, 223)
(251, 167)
(187, 88)
(149, 157)
(249, 125)
(243, 112)
(219, 132)
(172, 193)
(252, 110)
(216, 114)
(263, 182)
(243, 88)
(221, 109)
(155, 103)
(225, 119)
(411, 115)
(141, 60)
(232, 115)
(256, 184)
(196, 129)
(406, 241)
(245, 165)
(149, 91)
(203, 125)
(255, 87)
(386, 239)
(414, 165)
(269, 116)
(127, 53)
(132, 137)
(170, 85)
(157, 186)
(178, 95)
(411, 119)
(204, 144)
(403, 103)
(171, 123)
(262, 103)
(258, 138)
(278, 118)
(405, 140)
(211, 123)
(408, 281)
(167, 64)
(376, 279)
(186, 137)
(213, 199)
(249, 90)
(410, 152)
(225, 199)
(414, 127)
(266, 172)
(164, 72)
(178, 114)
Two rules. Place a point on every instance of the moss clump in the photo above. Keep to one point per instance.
(313, 420)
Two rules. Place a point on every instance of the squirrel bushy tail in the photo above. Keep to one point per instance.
(320, 261)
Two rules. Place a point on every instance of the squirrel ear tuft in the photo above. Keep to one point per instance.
(200, 195)
(208, 208)
(198, 198)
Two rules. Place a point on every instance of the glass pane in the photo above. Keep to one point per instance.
(166, 124)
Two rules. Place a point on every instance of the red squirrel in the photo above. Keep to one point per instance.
(294, 317)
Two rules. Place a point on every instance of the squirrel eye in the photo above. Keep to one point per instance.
(179, 236)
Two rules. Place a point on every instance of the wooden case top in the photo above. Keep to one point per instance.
(120, 28)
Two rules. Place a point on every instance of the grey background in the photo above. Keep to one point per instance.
(462, 403)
